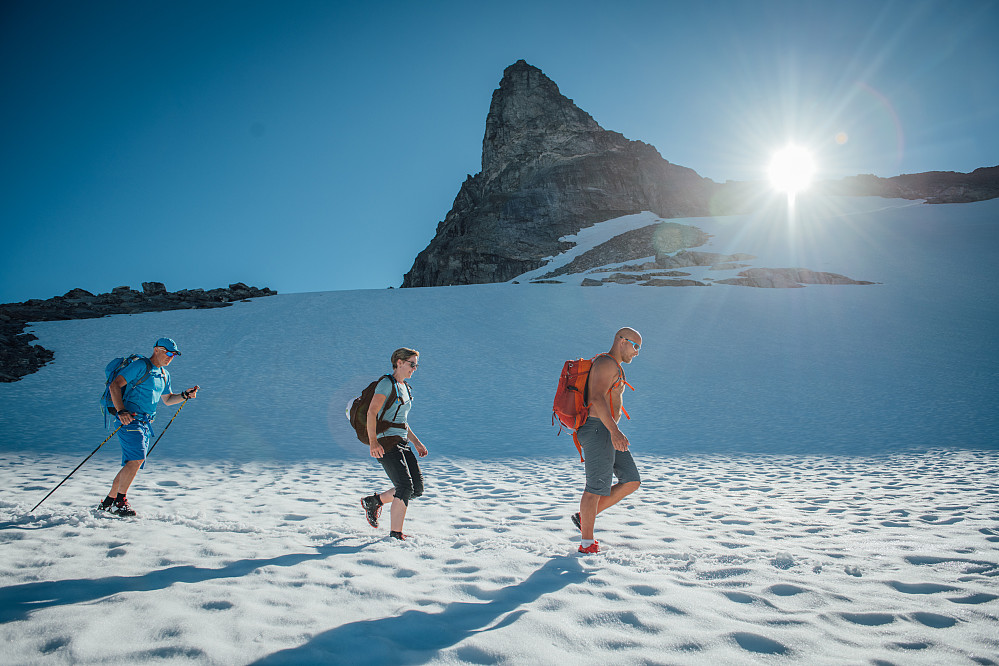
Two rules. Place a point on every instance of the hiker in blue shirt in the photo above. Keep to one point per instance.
(135, 412)
(391, 446)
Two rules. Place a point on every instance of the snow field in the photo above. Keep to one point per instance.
(819, 470)
(730, 558)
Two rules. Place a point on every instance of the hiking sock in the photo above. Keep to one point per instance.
(107, 502)
(585, 543)
(120, 497)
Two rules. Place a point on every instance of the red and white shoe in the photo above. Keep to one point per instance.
(592, 549)
(372, 509)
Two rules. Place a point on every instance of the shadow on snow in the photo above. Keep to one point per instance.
(388, 639)
(18, 601)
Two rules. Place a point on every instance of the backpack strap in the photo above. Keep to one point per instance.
(144, 377)
(127, 388)
(389, 400)
(395, 395)
(381, 424)
(620, 380)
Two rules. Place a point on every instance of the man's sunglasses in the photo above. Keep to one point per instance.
(634, 344)
(171, 354)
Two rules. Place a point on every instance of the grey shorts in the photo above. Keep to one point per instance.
(603, 461)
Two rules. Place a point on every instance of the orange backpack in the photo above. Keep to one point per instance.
(572, 404)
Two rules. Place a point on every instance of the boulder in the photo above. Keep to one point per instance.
(154, 288)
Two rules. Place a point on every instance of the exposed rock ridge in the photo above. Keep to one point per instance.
(18, 357)
(548, 170)
(655, 239)
(934, 186)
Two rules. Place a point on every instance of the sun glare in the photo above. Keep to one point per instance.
(791, 169)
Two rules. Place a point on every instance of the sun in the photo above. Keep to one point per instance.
(791, 169)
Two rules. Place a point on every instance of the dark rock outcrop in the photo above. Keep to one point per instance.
(635, 244)
(548, 170)
(787, 278)
(18, 357)
(687, 259)
(658, 282)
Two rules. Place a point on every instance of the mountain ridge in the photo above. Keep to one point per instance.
(549, 170)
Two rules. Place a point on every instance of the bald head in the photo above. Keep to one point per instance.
(630, 333)
(627, 342)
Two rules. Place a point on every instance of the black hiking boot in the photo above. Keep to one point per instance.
(106, 504)
(372, 509)
(122, 508)
(398, 535)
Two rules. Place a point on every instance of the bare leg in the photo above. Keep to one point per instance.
(124, 478)
(590, 505)
(398, 509)
(588, 509)
(398, 514)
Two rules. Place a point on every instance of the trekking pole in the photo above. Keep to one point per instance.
(149, 452)
(77, 467)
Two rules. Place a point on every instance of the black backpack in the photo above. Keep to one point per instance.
(357, 410)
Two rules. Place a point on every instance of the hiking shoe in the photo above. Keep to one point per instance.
(592, 549)
(398, 535)
(122, 508)
(575, 521)
(105, 504)
(372, 509)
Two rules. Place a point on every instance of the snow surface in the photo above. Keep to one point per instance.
(819, 469)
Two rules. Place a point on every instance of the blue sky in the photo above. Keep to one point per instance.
(312, 146)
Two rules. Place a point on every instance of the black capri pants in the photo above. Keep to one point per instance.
(402, 467)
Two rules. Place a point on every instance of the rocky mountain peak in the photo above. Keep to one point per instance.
(528, 112)
(548, 170)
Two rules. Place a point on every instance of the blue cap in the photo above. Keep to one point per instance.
(168, 344)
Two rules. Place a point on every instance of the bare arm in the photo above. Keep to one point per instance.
(604, 375)
(114, 390)
(420, 448)
(377, 400)
(174, 398)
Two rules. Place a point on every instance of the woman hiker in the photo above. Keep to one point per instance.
(391, 445)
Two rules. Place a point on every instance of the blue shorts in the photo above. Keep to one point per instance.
(603, 461)
(134, 439)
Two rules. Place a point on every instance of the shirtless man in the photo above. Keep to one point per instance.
(605, 447)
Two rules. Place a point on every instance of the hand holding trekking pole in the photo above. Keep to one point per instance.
(186, 394)
(192, 392)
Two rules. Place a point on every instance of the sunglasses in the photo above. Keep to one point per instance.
(634, 344)
(414, 366)
(171, 354)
